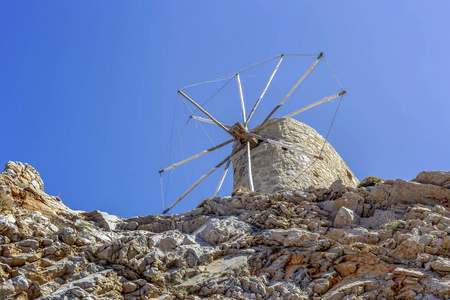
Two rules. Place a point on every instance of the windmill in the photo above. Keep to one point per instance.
(244, 138)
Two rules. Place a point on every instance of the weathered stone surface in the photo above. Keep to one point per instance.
(439, 178)
(441, 264)
(275, 169)
(380, 218)
(105, 220)
(290, 237)
(344, 217)
(247, 246)
(405, 192)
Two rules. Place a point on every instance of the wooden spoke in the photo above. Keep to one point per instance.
(242, 99)
(249, 164)
(315, 104)
(207, 121)
(196, 156)
(293, 88)
(225, 171)
(264, 91)
(201, 179)
(263, 126)
(206, 113)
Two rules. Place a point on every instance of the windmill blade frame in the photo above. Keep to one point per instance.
(248, 139)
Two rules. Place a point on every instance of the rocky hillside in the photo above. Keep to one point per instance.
(386, 240)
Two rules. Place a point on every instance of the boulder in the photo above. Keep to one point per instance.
(439, 178)
(405, 192)
(344, 217)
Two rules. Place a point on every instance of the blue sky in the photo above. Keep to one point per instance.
(89, 90)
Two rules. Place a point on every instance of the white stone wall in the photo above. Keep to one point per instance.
(275, 169)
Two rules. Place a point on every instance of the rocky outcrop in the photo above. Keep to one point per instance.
(338, 242)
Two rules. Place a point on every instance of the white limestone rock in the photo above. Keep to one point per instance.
(344, 217)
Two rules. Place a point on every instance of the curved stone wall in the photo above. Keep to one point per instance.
(277, 169)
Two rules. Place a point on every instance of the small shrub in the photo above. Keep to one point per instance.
(394, 226)
(240, 190)
(366, 246)
(183, 292)
(369, 181)
(6, 203)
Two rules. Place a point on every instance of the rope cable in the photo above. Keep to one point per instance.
(215, 94)
(231, 75)
(162, 191)
(296, 90)
(179, 136)
(332, 73)
(301, 54)
(182, 151)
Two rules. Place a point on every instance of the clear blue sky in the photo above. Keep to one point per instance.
(89, 88)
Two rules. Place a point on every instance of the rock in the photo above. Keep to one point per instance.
(409, 272)
(14, 286)
(439, 178)
(132, 225)
(217, 231)
(290, 237)
(408, 249)
(344, 217)
(129, 287)
(380, 218)
(322, 285)
(172, 240)
(346, 269)
(441, 265)
(67, 235)
(350, 200)
(405, 192)
(105, 220)
(248, 246)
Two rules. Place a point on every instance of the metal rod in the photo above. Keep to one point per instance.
(249, 163)
(315, 104)
(196, 155)
(285, 146)
(206, 113)
(207, 121)
(264, 91)
(200, 180)
(294, 87)
(242, 99)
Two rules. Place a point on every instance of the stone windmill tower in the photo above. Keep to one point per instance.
(277, 168)
(278, 154)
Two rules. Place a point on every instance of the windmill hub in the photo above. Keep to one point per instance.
(243, 136)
